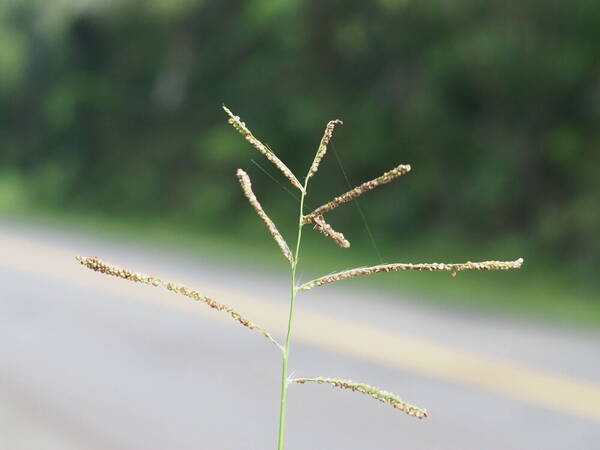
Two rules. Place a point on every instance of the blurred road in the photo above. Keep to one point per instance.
(92, 362)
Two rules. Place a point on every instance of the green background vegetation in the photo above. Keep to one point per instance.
(110, 113)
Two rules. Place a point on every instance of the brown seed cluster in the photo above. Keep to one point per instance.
(244, 131)
(323, 146)
(98, 265)
(244, 180)
(195, 295)
(383, 396)
(453, 268)
(357, 191)
(322, 226)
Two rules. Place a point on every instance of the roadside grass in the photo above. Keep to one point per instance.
(543, 290)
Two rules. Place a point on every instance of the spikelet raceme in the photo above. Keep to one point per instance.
(357, 191)
(430, 267)
(379, 394)
(266, 151)
(97, 265)
(323, 146)
(322, 226)
(246, 184)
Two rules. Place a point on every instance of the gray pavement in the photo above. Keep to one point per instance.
(89, 362)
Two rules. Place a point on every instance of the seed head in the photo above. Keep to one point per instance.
(378, 394)
(430, 267)
(322, 226)
(323, 146)
(266, 151)
(98, 265)
(357, 191)
(244, 180)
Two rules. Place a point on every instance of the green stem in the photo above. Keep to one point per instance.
(288, 339)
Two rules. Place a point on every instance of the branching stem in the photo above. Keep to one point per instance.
(288, 340)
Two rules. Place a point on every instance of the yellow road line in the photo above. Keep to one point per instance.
(355, 339)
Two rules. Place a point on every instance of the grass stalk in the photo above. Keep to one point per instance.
(288, 339)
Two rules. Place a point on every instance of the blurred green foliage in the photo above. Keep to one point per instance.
(115, 107)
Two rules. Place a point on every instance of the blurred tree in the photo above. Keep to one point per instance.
(117, 107)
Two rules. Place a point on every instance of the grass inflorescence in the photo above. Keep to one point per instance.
(428, 267)
(244, 180)
(96, 264)
(322, 226)
(358, 191)
(379, 394)
(262, 148)
(316, 218)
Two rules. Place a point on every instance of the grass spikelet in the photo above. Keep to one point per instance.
(323, 146)
(244, 131)
(383, 396)
(430, 267)
(97, 265)
(322, 226)
(357, 191)
(244, 180)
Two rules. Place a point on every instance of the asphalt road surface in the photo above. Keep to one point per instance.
(92, 362)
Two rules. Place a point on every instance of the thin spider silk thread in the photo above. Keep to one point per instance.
(263, 170)
(360, 211)
(275, 180)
